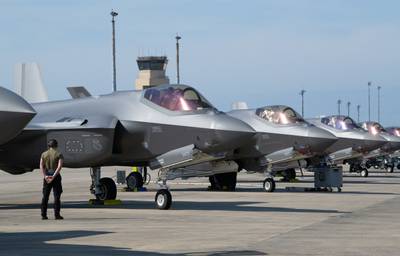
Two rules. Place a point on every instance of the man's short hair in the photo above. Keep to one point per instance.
(52, 143)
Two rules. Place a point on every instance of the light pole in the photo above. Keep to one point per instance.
(338, 103)
(302, 102)
(348, 108)
(178, 80)
(113, 15)
(369, 101)
(358, 113)
(379, 104)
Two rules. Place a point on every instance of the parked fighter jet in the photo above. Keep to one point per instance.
(352, 143)
(165, 127)
(283, 139)
(387, 149)
(15, 113)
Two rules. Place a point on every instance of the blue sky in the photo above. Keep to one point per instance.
(261, 52)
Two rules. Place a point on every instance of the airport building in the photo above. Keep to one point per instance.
(151, 71)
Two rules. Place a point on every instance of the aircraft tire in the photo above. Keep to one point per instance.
(109, 189)
(163, 199)
(223, 181)
(389, 168)
(292, 174)
(269, 185)
(213, 183)
(289, 174)
(364, 173)
(134, 180)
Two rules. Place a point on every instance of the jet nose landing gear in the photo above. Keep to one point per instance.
(163, 199)
(269, 184)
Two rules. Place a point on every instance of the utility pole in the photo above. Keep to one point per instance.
(358, 113)
(113, 15)
(302, 102)
(369, 101)
(379, 104)
(338, 103)
(178, 80)
(348, 108)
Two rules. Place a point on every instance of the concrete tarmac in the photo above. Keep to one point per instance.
(361, 220)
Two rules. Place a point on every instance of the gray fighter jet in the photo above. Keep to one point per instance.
(387, 149)
(15, 113)
(353, 142)
(283, 139)
(166, 127)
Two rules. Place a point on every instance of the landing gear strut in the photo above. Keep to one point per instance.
(102, 188)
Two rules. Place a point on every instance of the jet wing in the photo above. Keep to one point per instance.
(78, 92)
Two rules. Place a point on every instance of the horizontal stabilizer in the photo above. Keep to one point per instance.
(78, 92)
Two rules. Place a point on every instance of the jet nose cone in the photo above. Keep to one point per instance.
(393, 142)
(230, 133)
(319, 139)
(15, 113)
(372, 142)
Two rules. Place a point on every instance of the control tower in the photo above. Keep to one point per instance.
(151, 71)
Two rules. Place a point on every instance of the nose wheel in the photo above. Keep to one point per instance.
(364, 172)
(163, 199)
(269, 185)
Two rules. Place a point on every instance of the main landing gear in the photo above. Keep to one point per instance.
(102, 188)
(223, 181)
(105, 189)
(358, 168)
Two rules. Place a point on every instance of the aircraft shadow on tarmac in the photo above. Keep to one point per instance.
(36, 243)
(244, 206)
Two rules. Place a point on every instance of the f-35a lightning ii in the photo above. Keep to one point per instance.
(353, 143)
(283, 139)
(165, 127)
(392, 145)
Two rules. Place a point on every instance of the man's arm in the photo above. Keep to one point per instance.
(59, 167)
(42, 167)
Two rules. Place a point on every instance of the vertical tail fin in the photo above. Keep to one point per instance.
(239, 105)
(28, 82)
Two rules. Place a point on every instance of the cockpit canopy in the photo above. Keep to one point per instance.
(279, 115)
(176, 98)
(372, 127)
(394, 131)
(343, 123)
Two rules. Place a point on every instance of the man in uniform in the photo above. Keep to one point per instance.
(51, 163)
